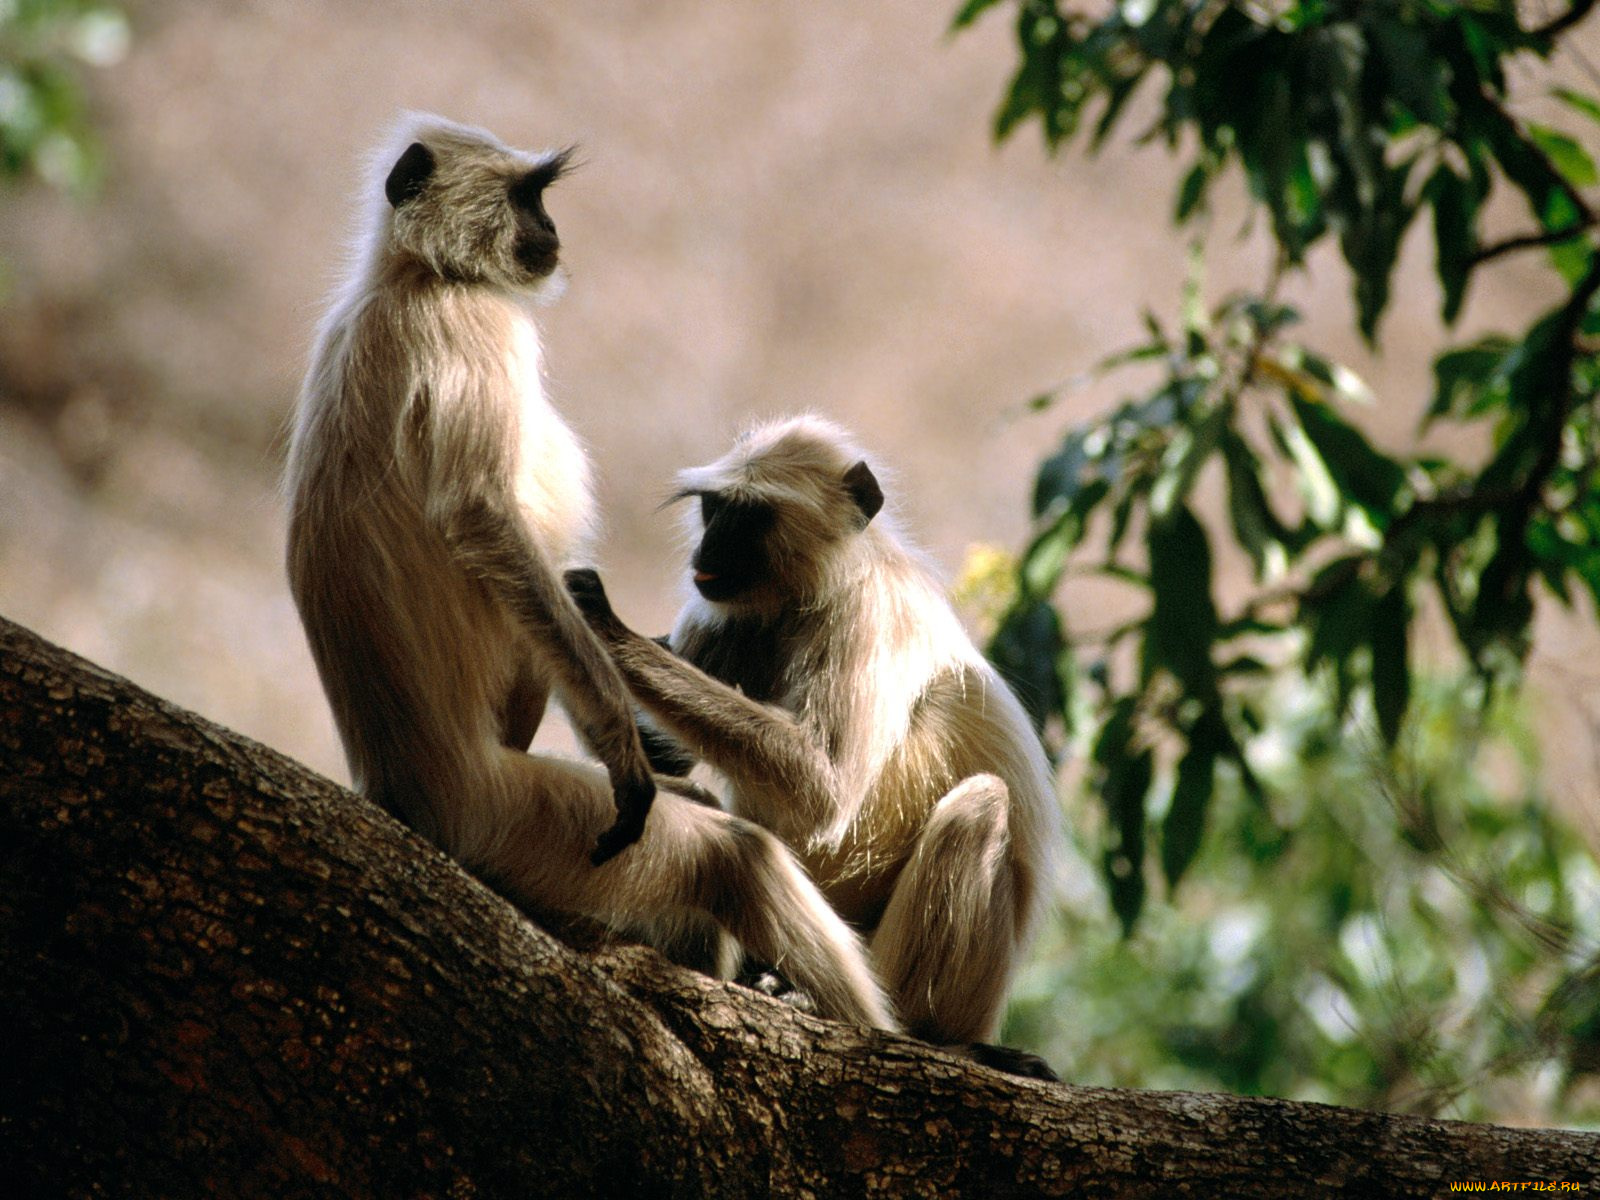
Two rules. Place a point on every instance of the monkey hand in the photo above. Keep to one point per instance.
(1007, 1059)
(589, 594)
(633, 798)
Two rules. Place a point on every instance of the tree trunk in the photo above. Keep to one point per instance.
(225, 976)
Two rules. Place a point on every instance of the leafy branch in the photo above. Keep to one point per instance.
(1348, 121)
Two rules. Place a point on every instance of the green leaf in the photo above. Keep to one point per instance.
(1587, 557)
(1524, 164)
(1039, 87)
(1158, 347)
(1121, 517)
(1268, 317)
(1323, 502)
(1031, 654)
(1485, 44)
(1123, 773)
(1183, 618)
(1061, 476)
(1534, 375)
(1502, 608)
(1362, 474)
(1468, 380)
(1190, 448)
(1565, 154)
(1191, 796)
(1193, 192)
(1118, 93)
(971, 11)
(1246, 664)
(1373, 229)
(1270, 143)
(1391, 674)
(1455, 219)
(1338, 609)
(1414, 72)
(1318, 376)
(1589, 106)
(1554, 556)
(1254, 523)
(1046, 557)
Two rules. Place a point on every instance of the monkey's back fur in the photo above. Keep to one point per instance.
(414, 393)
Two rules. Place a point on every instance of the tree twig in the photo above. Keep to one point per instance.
(1559, 25)
(1528, 241)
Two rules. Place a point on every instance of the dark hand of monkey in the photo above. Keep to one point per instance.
(633, 798)
(1009, 1060)
(589, 594)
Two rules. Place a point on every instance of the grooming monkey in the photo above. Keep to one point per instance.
(434, 492)
(822, 673)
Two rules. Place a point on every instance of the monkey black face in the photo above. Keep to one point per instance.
(736, 553)
(733, 555)
(537, 247)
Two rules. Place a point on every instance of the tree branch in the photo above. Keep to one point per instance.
(1530, 241)
(1559, 25)
(225, 976)
(1586, 214)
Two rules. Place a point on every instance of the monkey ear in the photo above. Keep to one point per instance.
(863, 487)
(410, 171)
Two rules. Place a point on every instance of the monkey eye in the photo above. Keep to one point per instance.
(526, 191)
(711, 503)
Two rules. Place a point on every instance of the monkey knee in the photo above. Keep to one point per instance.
(977, 801)
(735, 874)
(969, 825)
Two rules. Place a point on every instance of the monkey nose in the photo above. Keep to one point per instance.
(703, 576)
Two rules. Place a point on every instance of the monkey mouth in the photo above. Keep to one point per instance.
(715, 587)
(540, 257)
(543, 266)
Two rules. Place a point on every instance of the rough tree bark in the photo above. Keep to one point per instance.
(225, 976)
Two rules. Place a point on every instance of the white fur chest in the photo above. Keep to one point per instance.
(552, 473)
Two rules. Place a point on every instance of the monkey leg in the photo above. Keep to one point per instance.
(690, 858)
(687, 937)
(947, 944)
(692, 939)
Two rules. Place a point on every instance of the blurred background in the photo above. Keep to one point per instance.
(781, 207)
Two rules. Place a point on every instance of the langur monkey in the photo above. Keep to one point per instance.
(823, 674)
(434, 493)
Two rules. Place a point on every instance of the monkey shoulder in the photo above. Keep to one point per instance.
(966, 718)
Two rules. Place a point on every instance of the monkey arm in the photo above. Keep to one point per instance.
(785, 779)
(666, 755)
(492, 544)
